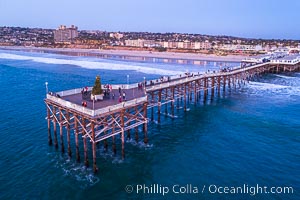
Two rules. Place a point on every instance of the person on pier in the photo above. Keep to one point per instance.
(124, 96)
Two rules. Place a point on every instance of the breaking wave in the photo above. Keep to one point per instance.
(278, 90)
(92, 64)
(286, 77)
(266, 86)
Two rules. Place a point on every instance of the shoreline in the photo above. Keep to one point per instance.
(134, 53)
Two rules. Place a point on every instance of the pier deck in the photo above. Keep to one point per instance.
(131, 94)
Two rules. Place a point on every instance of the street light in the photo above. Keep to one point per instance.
(46, 83)
(93, 102)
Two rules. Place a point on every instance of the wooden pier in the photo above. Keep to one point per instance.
(110, 119)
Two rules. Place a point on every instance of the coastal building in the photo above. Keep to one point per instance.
(187, 44)
(64, 34)
(134, 43)
(143, 43)
(180, 45)
(203, 45)
(117, 36)
(164, 44)
(151, 43)
(241, 47)
(172, 45)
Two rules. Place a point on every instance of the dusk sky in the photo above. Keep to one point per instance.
(245, 18)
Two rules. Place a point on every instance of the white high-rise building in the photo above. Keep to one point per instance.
(64, 34)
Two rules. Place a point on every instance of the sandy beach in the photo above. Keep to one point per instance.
(170, 55)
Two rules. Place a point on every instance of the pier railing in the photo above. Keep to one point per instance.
(119, 106)
(71, 92)
(68, 104)
(187, 79)
(78, 90)
(96, 112)
(288, 62)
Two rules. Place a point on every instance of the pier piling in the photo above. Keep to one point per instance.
(95, 168)
(54, 128)
(61, 132)
(145, 126)
(76, 138)
(49, 126)
(159, 106)
(122, 134)
(68, 134)
(184, 98)
(173, 101)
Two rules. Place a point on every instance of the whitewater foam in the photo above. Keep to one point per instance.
(266, 86)
(75, 170)
(92, 64)
(282, 76)
(260, 88)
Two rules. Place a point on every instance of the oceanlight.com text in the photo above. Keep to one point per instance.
(251, 190)
(207, 189)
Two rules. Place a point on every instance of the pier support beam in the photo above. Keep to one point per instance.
(159, 106)
(54, 128)
(224, 84)
(195, 92)
(76, 138)
(68, 134)
(114, 149)
(122, 134)
(179, 94)
(49, 126)
(189, 92)
(184, 107)
(86, 159)
(234, 81)
(212, 88)
(219, 85)
(145, 126)
(152, 109)
(105, 143)
(95, 168)
(61, 132)
(205, 90)
(166, 104)
(173, 101)
(128, 131)
(199, 90)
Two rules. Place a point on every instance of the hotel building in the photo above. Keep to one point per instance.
(64, 34)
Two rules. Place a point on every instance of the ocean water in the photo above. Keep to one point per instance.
(249, 136)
